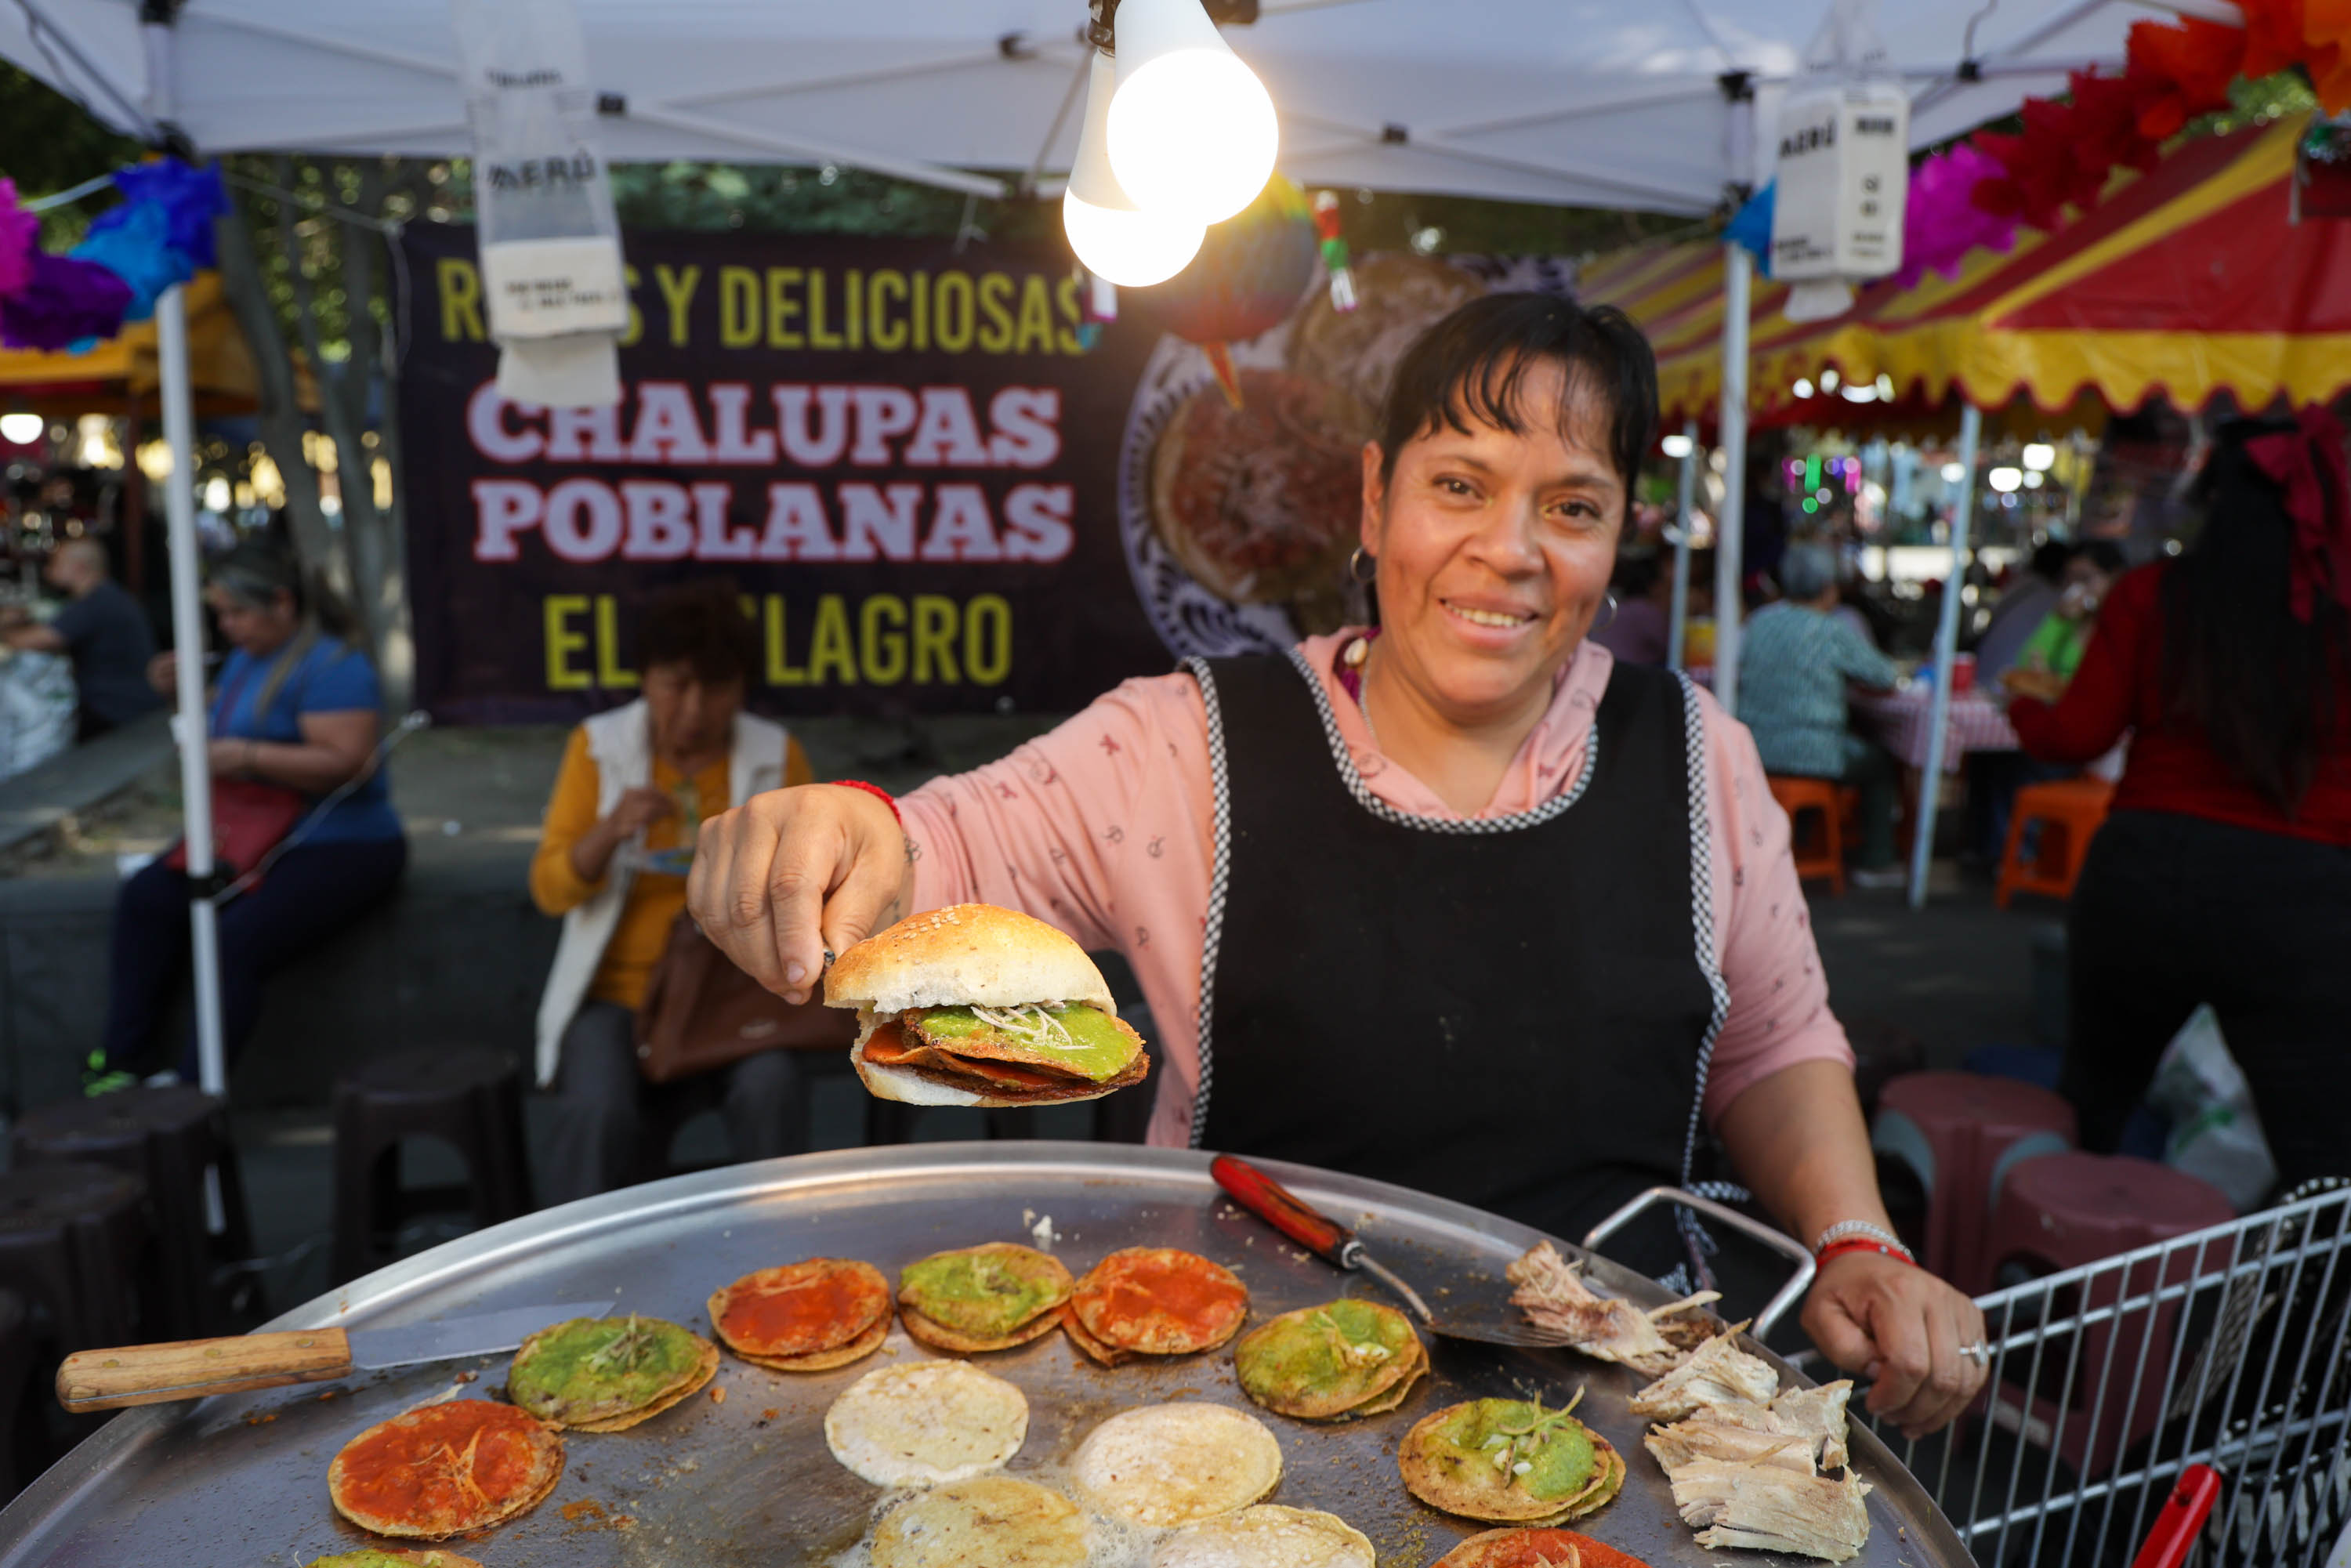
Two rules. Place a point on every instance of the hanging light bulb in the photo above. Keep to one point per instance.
(1192, 130)
(1115, 239)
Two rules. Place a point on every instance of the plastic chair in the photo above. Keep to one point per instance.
(2061, 1211)
(470, 1099)
(167, 1137)
(1959, 1133)
(2069, 812)
(1818, 853)
(24, 1450)
(70, 1240)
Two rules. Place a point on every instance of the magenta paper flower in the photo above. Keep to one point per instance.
(1943, 223)
(20, 231)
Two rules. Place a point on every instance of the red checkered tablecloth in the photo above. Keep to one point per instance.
(1902, 721)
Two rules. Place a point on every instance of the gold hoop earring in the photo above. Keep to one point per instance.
(1357, 564)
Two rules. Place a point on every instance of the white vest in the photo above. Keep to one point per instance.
(620, 743)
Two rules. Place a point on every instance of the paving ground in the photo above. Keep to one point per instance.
(1953, 976)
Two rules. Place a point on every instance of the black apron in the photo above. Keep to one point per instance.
(1513, 1012)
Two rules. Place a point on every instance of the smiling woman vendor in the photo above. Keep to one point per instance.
(1460, 903)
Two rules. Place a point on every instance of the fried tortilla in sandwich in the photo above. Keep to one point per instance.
(973, 1005)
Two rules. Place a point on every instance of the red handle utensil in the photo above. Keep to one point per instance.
(2175, 1527)
(1286, 1212)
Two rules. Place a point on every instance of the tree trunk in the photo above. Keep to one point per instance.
(281, 417)
(342, 407)
(344, 391)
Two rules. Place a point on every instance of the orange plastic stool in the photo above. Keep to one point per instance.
(1820, 853)
(2069, 812)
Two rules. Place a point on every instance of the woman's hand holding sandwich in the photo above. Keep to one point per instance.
(793, 875)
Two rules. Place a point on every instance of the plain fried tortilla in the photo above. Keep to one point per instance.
(1267, 1536)
(1176, 1464)
(927, 1422)
(991, 1521)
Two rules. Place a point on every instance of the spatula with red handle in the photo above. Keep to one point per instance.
(1343, 1248)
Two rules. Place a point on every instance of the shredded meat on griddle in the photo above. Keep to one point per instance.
(1809, 1422)
(1717, 1372)
(1552, 1294)
(1765, 1508)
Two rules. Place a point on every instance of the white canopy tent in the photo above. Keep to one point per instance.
(1591, 102)
(1576, 102)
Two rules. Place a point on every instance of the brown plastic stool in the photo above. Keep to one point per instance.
(1957, 1132)
(71, 1239)
(470, 1099)
(166, 1138)
(2061, 1211)
(24, 1409)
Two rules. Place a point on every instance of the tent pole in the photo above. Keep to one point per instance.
(1679, 620)
(1738, 283)
(188, 637)
(1947, 646)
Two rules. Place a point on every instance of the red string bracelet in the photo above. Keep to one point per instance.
(875, 790)
(1863, 1244)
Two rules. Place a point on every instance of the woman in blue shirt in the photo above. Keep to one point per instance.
(296, 707)
(1796, 657)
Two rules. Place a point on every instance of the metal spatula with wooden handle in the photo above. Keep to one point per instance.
(195, 1368)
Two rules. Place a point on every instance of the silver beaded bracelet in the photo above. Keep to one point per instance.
(1845, 1228)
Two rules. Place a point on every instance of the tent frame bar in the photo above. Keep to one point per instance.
(1947, 644)
(1677, 619)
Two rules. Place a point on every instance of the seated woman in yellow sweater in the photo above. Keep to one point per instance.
(635, 784)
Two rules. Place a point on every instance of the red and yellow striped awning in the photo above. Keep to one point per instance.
(2184, 282)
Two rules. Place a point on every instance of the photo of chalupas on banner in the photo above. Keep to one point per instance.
(550, 243)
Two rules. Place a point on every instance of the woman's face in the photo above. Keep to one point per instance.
(689, 717)
(257, 629)
(1494, 550)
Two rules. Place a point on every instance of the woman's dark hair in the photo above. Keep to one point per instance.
(1470, 366)
(2266, 688)
(2049, 558)
(2103, 554)
(257, 573)
(701, 625)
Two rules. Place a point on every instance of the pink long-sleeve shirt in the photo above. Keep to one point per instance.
(1104, 827)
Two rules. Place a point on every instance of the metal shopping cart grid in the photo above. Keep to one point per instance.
(2224, 1347)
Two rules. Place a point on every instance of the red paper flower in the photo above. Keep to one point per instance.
(2326, 32)
(2185, 70)
(2102, 133)
(2273, 37)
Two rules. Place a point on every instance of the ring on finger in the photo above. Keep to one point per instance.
(1980, 1352)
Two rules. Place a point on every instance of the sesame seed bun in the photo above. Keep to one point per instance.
(966, 955)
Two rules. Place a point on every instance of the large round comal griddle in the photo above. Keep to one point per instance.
(240, 1481)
